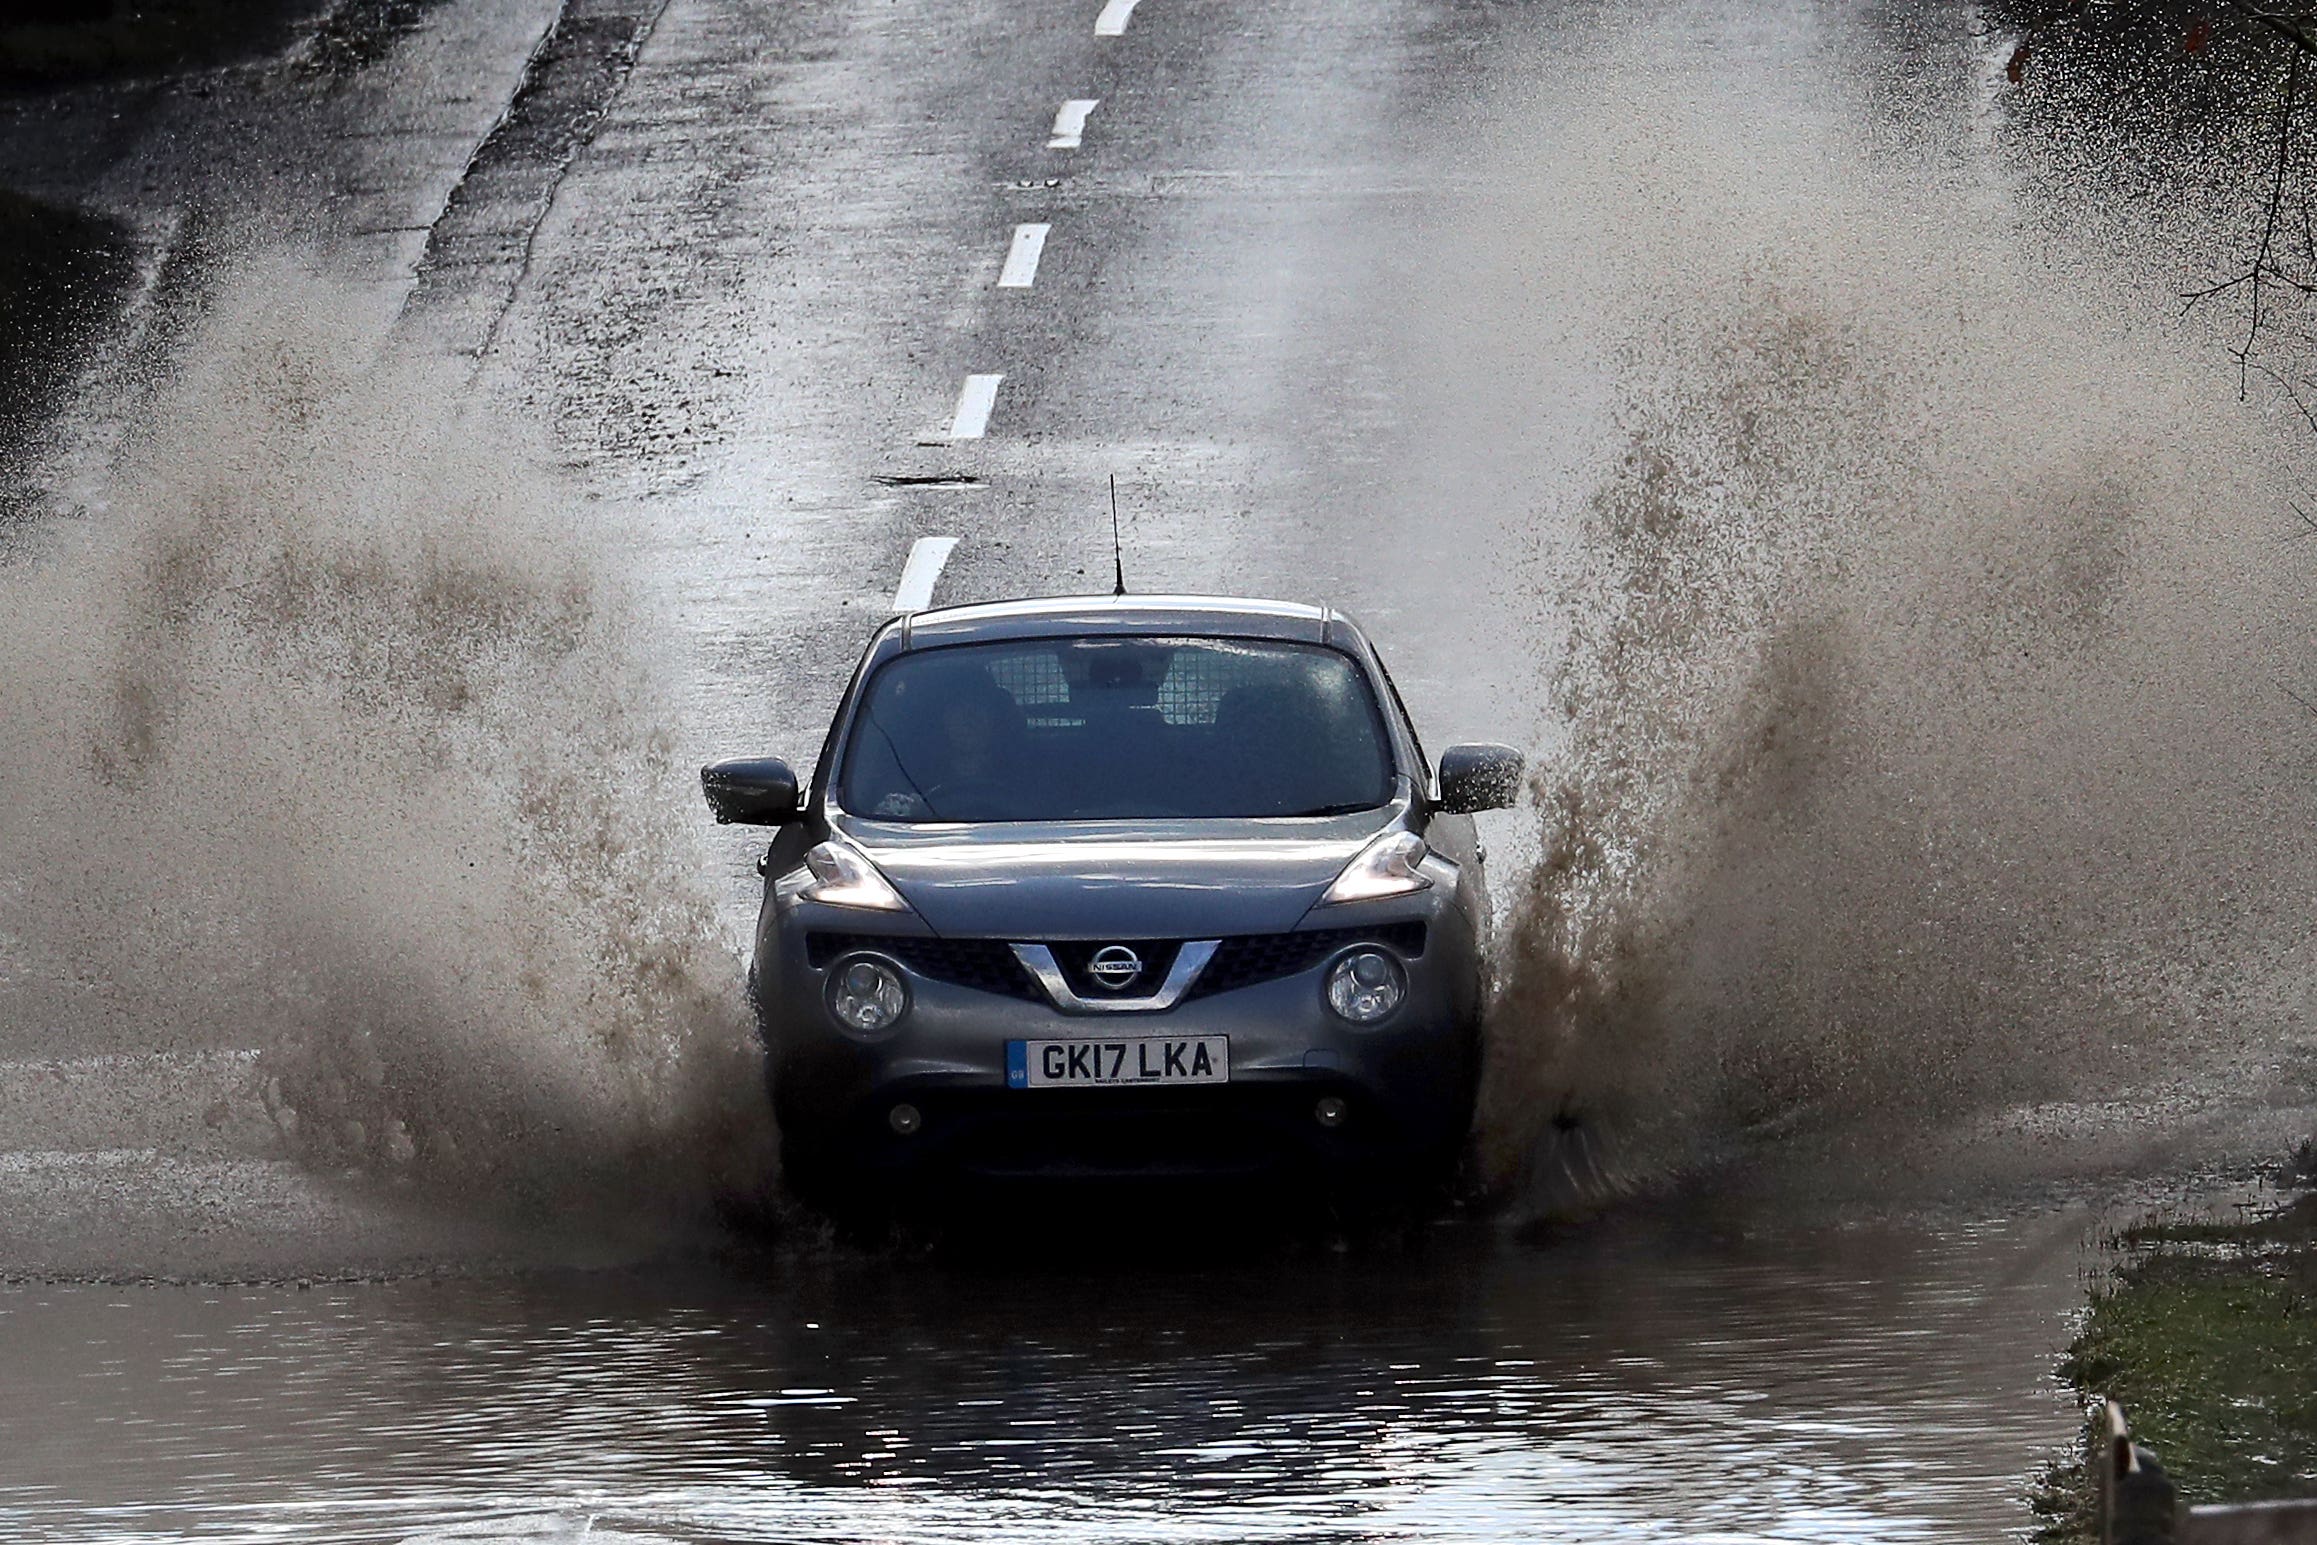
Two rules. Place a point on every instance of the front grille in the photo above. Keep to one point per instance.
(1074, 955)
(1252, 958)
(987, 965)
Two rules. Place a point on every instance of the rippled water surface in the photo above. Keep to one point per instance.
(1665, 1378)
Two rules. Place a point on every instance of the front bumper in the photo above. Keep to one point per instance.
(1404, 1088)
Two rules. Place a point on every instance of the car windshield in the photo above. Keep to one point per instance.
(1107, 728)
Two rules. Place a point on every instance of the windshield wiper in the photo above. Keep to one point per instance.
(901, 766)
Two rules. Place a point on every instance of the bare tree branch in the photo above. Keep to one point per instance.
(2294, 29)
(2276, 286)
(2265, 268)
(2299, 394)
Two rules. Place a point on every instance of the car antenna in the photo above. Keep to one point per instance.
(1117, 552)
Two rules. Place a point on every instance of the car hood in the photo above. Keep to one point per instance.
(1115, 879)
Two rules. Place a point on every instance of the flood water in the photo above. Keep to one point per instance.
(1667, 1376)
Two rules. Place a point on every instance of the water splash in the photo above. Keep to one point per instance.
(1926, 649)
(331, 731)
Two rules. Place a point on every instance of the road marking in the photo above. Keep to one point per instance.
(973, 407)
(1070, 123)
(1112, 22)
(1021, 270)
(922, 572)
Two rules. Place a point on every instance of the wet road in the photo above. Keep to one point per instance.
(1316, 281)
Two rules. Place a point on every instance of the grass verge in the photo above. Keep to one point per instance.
(2208, 1335)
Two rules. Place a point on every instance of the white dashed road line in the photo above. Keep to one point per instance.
(1021, 270)
(1112, 22)
(973, 407)
(1070, 123)
(922, 572)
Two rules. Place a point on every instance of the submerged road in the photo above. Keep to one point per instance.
(768, 298)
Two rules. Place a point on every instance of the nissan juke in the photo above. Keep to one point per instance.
(1113, 889)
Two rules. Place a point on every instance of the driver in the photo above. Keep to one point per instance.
(979, 760)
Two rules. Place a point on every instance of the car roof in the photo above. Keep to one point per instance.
(1228, 616)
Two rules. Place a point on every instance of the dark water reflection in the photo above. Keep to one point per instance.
(1653, 1382)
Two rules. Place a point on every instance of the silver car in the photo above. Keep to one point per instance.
(1107, 889)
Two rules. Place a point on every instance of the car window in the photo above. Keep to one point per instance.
(1112, 728)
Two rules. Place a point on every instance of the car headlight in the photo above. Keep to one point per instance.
(867, 995)
(1385, 867)
(842, 876)
(1366, 985)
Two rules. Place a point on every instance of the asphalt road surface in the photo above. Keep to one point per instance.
(743, 301)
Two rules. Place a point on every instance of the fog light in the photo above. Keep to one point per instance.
(866, 995)
(1331, 1112)
(1365, 986)
(904, 1120)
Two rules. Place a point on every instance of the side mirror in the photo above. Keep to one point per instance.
(750, 791)
(1479, 777)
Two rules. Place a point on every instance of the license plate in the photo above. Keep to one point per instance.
(1189, 1059)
